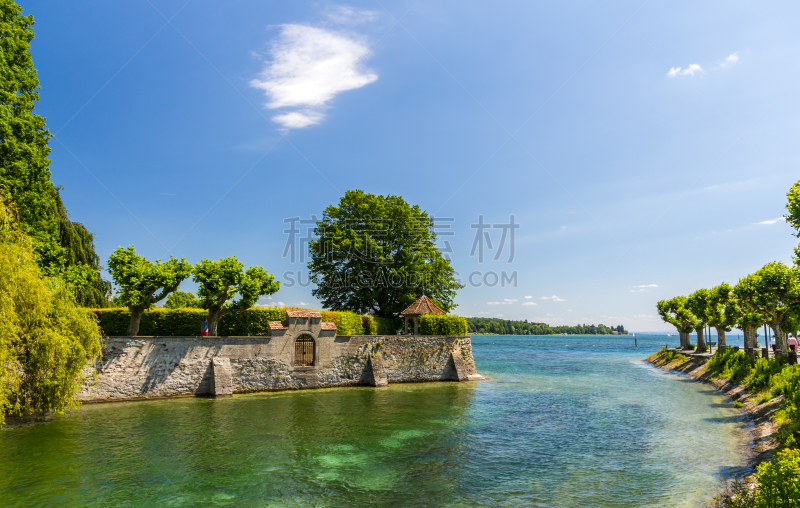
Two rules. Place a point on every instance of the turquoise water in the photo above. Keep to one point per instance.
(564, 421)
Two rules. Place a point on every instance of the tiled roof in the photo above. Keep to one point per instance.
(303, 314)
(326, 325)
(277, 325)
(423, 305)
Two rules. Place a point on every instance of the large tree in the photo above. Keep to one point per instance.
(376, 255)
(699, 305)
(142, 282)
(221, 280)
(63, 248)
(793, 217)
(723, 312)
(46, 340)
(674, 312)
(774, 292)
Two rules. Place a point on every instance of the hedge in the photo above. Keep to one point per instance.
(438, 324)
(160, 321)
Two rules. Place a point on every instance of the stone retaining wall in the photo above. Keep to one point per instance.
(152, 367)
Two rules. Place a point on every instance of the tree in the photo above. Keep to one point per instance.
(63, 248)
(377, 255)
(46, 339)
(221, 280)
(182, 300)
(142, 282)
(774, 292)
(674, 312)
(793, 217)
(698, 304)
(723, 312)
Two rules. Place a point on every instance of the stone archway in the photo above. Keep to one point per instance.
(304, 355)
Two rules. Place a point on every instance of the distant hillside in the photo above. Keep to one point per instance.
(508, 327)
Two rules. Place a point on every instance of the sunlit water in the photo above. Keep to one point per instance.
(565, 421)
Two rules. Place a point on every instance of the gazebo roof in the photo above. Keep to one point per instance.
(423, 305)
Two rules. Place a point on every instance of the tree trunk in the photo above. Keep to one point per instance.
(684, 340)
(214, 315)
(749, 336)
(701, 344)
(780, 338)
(720, 337)
(136, 318)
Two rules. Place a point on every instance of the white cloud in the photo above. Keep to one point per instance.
(510, 300)
(500, 315)
(528, 297)
(529, 303)
(554, 298)
(280, 304)
(484, 312)
(689, 71)
(642, 288)
(308, 67)
(772, 221)
(645, 316)
(346, 15)
(505, 301)
(732, 59)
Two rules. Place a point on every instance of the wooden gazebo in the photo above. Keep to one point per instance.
(423, 305)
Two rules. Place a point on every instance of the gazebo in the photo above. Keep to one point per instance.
(423, 305)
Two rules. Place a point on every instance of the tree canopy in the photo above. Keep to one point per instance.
(377, 255)
(182, 300)
(63, 248)
(222, 280)
(142, 282)
(793, 217)
(46, 339)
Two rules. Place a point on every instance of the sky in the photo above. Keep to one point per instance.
(644, 149)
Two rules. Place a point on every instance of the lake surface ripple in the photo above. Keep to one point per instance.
(565, 421)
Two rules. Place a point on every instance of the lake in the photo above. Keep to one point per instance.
(564, 421)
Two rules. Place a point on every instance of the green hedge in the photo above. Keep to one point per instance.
(439, 324)
(160, 321)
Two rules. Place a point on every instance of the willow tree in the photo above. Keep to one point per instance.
(674, 312)
(46, 339)
(774, 292)
(142, 282)
(222, 280)
(698, 304)
(723, 311)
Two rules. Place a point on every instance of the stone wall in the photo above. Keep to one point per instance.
(152, 367)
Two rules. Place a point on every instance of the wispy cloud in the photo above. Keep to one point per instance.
(528, 297)
(529, 303)
(505, 301)
(308, 66)
(554, 298)
(643, 288)
(645, 316)
(688, 71)
(346, 15)
(772, 221)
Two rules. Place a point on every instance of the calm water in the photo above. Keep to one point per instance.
(565, 421)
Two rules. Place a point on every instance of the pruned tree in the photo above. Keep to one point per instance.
(793, 217)
(142, 282)
(699, 304)
(674, 312)
(221, 280)
(723, 312)
(774, 292)
(182, 300)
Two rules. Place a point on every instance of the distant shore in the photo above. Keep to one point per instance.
(762, 430)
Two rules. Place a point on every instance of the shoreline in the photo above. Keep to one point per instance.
(759, 425)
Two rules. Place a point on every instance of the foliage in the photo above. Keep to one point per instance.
(793, 217)
(774, 292)
(675, 312)
(46, 339)
(159, 321)
(182, 300)
(143, 282)
(509, 327)
(723, 311)
(376, 255)
(777, 484)
(729, 364)
(439, 324)
(59, 244)
(222, 280)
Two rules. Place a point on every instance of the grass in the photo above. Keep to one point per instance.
(738, 404)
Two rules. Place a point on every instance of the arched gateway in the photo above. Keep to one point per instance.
(301, 333)
(304, 351)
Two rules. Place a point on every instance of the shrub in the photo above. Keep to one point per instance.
(738, 404)
(729, 364)
(776, 484)
(438, 324)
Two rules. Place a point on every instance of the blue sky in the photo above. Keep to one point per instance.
(644, 148)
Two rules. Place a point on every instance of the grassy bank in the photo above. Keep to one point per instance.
(769, 391)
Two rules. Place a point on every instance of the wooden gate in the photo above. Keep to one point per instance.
(304, 352)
